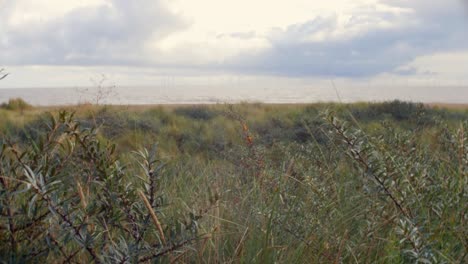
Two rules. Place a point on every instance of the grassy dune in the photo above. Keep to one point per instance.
(245, 183)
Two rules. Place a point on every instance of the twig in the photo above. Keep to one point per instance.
(166, 250)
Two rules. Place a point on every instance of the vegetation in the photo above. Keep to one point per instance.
(248, 183)
(16, 104)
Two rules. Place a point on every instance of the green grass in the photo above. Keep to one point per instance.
(247, 183)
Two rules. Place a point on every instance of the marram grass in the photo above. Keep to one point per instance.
(364, 183)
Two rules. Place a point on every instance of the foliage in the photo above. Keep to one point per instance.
(373, 183)
(67, 196)
(196, 112)
(417, 189)
(16, 104)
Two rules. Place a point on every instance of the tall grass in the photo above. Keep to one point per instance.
(240, 184)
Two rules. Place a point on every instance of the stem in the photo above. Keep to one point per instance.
(66, 219)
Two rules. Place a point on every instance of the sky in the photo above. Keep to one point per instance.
(55, 43)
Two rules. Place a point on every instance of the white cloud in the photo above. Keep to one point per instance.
(373, 41)
(110, 33)
(220, 27)
(23, 12)
(448, 65)
(342, 38)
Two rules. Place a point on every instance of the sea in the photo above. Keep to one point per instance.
(198, 94)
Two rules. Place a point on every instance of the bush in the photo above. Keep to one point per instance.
(67, 197)
(196, 112)
(284, 185)
(16, 104)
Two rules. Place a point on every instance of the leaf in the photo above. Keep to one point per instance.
(31, 204)
(30, 175)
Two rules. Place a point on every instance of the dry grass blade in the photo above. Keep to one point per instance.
(239, 247)
(153, 216)
(81, 194)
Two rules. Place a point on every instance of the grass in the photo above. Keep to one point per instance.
(247, 183)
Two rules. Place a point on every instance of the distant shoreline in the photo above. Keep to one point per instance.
(187, 95)
(455, 106)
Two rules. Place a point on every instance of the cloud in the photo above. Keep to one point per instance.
(387, 41)
(116, 33)
(409, 70)
(369, 40)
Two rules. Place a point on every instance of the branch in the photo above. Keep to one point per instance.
(167, 250)
(3, 75)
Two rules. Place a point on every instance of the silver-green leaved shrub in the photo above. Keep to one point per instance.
(68, 197)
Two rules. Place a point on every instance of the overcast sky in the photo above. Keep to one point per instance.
(65, 43)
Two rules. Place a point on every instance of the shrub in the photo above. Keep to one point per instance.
(280, 186)
(412, 188)
(67, 196)
(196, 112)
(16, 104)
